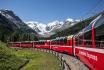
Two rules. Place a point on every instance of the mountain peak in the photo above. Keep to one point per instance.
(5, 10)
(56, 22)
(70, 20)
(10, 15)
(51, 27)
(32, 22)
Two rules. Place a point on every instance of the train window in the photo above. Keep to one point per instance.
(77, 41)
(87, 31)
(80, 40)
(58, 42)
(64, 41)
(87, 35)
(99, 36)
(35, 43)
(99, 22)
(53, 42)
(41, 42)
(88, 39)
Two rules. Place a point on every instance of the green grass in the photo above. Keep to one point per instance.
(8, 60)
(39, 60)
(26, 59)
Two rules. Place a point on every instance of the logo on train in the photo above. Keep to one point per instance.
(90, 56)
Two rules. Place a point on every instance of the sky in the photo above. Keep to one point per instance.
(46, 11)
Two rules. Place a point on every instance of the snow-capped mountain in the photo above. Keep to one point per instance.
(31, 26)
(10, 15)
(52, 27)
(38, 27)
(14, 21)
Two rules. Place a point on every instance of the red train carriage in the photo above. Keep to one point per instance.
(89, 44)
(62, 44)
(47, 44)
(15, 44)
(27, 44)
(43, 44)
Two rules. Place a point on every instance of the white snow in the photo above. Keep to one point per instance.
(52, 26)
(42, 27)
(32, 22)
(77, 20)
(70, 20)
(54, 23)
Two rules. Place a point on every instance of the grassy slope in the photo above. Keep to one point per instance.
(39, 60)
(13, 59)
(9, 61)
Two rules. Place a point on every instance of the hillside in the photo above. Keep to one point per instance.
(11, 26)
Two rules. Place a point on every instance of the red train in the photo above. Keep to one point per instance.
(42, 44)
(87, 45)
(62, 44)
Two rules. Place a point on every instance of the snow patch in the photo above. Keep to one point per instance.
(52, 27)
(70, 20)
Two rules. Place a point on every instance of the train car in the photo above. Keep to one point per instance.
(14, 44)
(43, 44)
(89, 44)
(47, 44)
(62, 44)
(26, 44)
